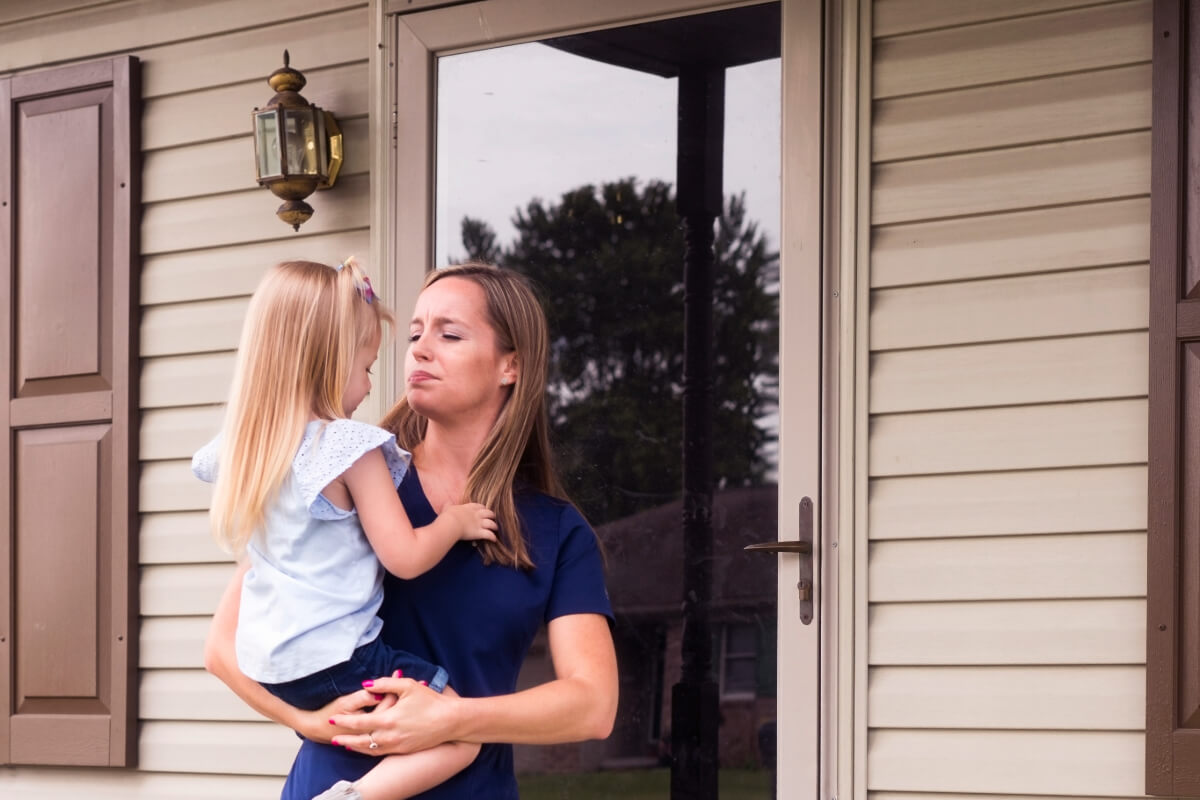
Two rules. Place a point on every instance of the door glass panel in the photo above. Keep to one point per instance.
(560, 159)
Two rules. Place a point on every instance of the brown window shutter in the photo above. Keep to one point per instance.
(69, 177)
(1173, 579)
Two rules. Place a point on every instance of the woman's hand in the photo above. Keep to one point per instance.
(411, 717)
(320, 725)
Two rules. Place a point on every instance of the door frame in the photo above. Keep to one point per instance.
(822, 199)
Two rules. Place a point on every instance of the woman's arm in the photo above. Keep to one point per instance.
(580, 703)
(221, 660)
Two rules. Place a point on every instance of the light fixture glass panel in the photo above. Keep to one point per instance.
(266, 144)
(322, 140)
(301, 141)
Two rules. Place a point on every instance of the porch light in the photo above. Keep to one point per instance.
(297, 146)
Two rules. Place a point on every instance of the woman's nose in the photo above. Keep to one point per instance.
(419, 349)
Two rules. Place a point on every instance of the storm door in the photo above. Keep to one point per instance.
(634, 166)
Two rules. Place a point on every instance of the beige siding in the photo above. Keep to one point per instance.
(988, 632)
(219, 272)
(1007, 412)
(1009, 567)
(207, 235)
(1019, 372)
(1100, 763)
(29, 783)
(172, 642)
(950, 56)
(958, 796)
(1008, 503)
(1011, 697)
(1016, 243)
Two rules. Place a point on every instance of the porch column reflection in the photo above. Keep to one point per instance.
(699, 165)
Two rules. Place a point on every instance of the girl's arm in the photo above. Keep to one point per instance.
(221, 660)
(404, 551)
(580, 703)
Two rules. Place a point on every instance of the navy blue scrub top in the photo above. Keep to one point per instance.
(478, 622)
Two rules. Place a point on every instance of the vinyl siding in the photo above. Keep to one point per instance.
(208, 233)
(1007, 412)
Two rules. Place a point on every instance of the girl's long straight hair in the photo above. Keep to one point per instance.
(518, 445)
(304, 326)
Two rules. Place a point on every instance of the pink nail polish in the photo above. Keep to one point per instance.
(397, 674)
(334, 741)
(378, 697)
(368, 684)
(424, 683)
(331, 722)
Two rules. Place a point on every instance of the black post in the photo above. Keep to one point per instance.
(694, 708)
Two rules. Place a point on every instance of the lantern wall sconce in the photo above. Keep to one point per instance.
(297, 146)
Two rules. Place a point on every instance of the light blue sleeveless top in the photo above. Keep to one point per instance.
(314, 584)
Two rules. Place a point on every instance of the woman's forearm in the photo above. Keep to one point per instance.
(254, 695)
(220, 659)
(579, 704)
(563, 710)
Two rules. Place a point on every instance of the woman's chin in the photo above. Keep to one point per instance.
(419, 402)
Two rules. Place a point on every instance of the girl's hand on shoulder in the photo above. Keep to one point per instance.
(416, 719)
(474, 521)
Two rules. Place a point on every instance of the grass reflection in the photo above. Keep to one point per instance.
(639, 784)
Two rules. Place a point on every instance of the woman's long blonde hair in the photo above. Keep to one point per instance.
(518, 445)
(303, 329)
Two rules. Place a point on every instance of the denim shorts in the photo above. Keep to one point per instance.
(372, 660)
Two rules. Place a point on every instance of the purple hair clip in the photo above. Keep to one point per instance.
(364, 286)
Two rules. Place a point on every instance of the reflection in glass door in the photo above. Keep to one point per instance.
(561, 159)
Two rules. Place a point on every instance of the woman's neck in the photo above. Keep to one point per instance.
(446, 456)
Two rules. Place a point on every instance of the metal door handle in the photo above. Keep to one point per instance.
(801, 547)
(804, 548)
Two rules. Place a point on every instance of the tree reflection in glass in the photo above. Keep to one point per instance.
(563, 168)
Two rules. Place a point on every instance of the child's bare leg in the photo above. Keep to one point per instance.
(401, 776)
(398, 777)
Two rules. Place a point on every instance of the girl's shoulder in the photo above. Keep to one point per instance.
(331, 439)
(341, 432)
(330, 447)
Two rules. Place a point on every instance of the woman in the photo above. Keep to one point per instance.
(474, 418)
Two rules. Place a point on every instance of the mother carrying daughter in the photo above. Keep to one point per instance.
(309, 497)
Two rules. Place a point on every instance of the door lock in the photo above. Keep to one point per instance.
(804, 587)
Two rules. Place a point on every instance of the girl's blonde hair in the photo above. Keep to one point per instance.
(518, 445)
(304, 327)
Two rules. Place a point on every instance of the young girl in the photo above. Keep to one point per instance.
(309, 496)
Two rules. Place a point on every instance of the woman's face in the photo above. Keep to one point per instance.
(453, 369)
